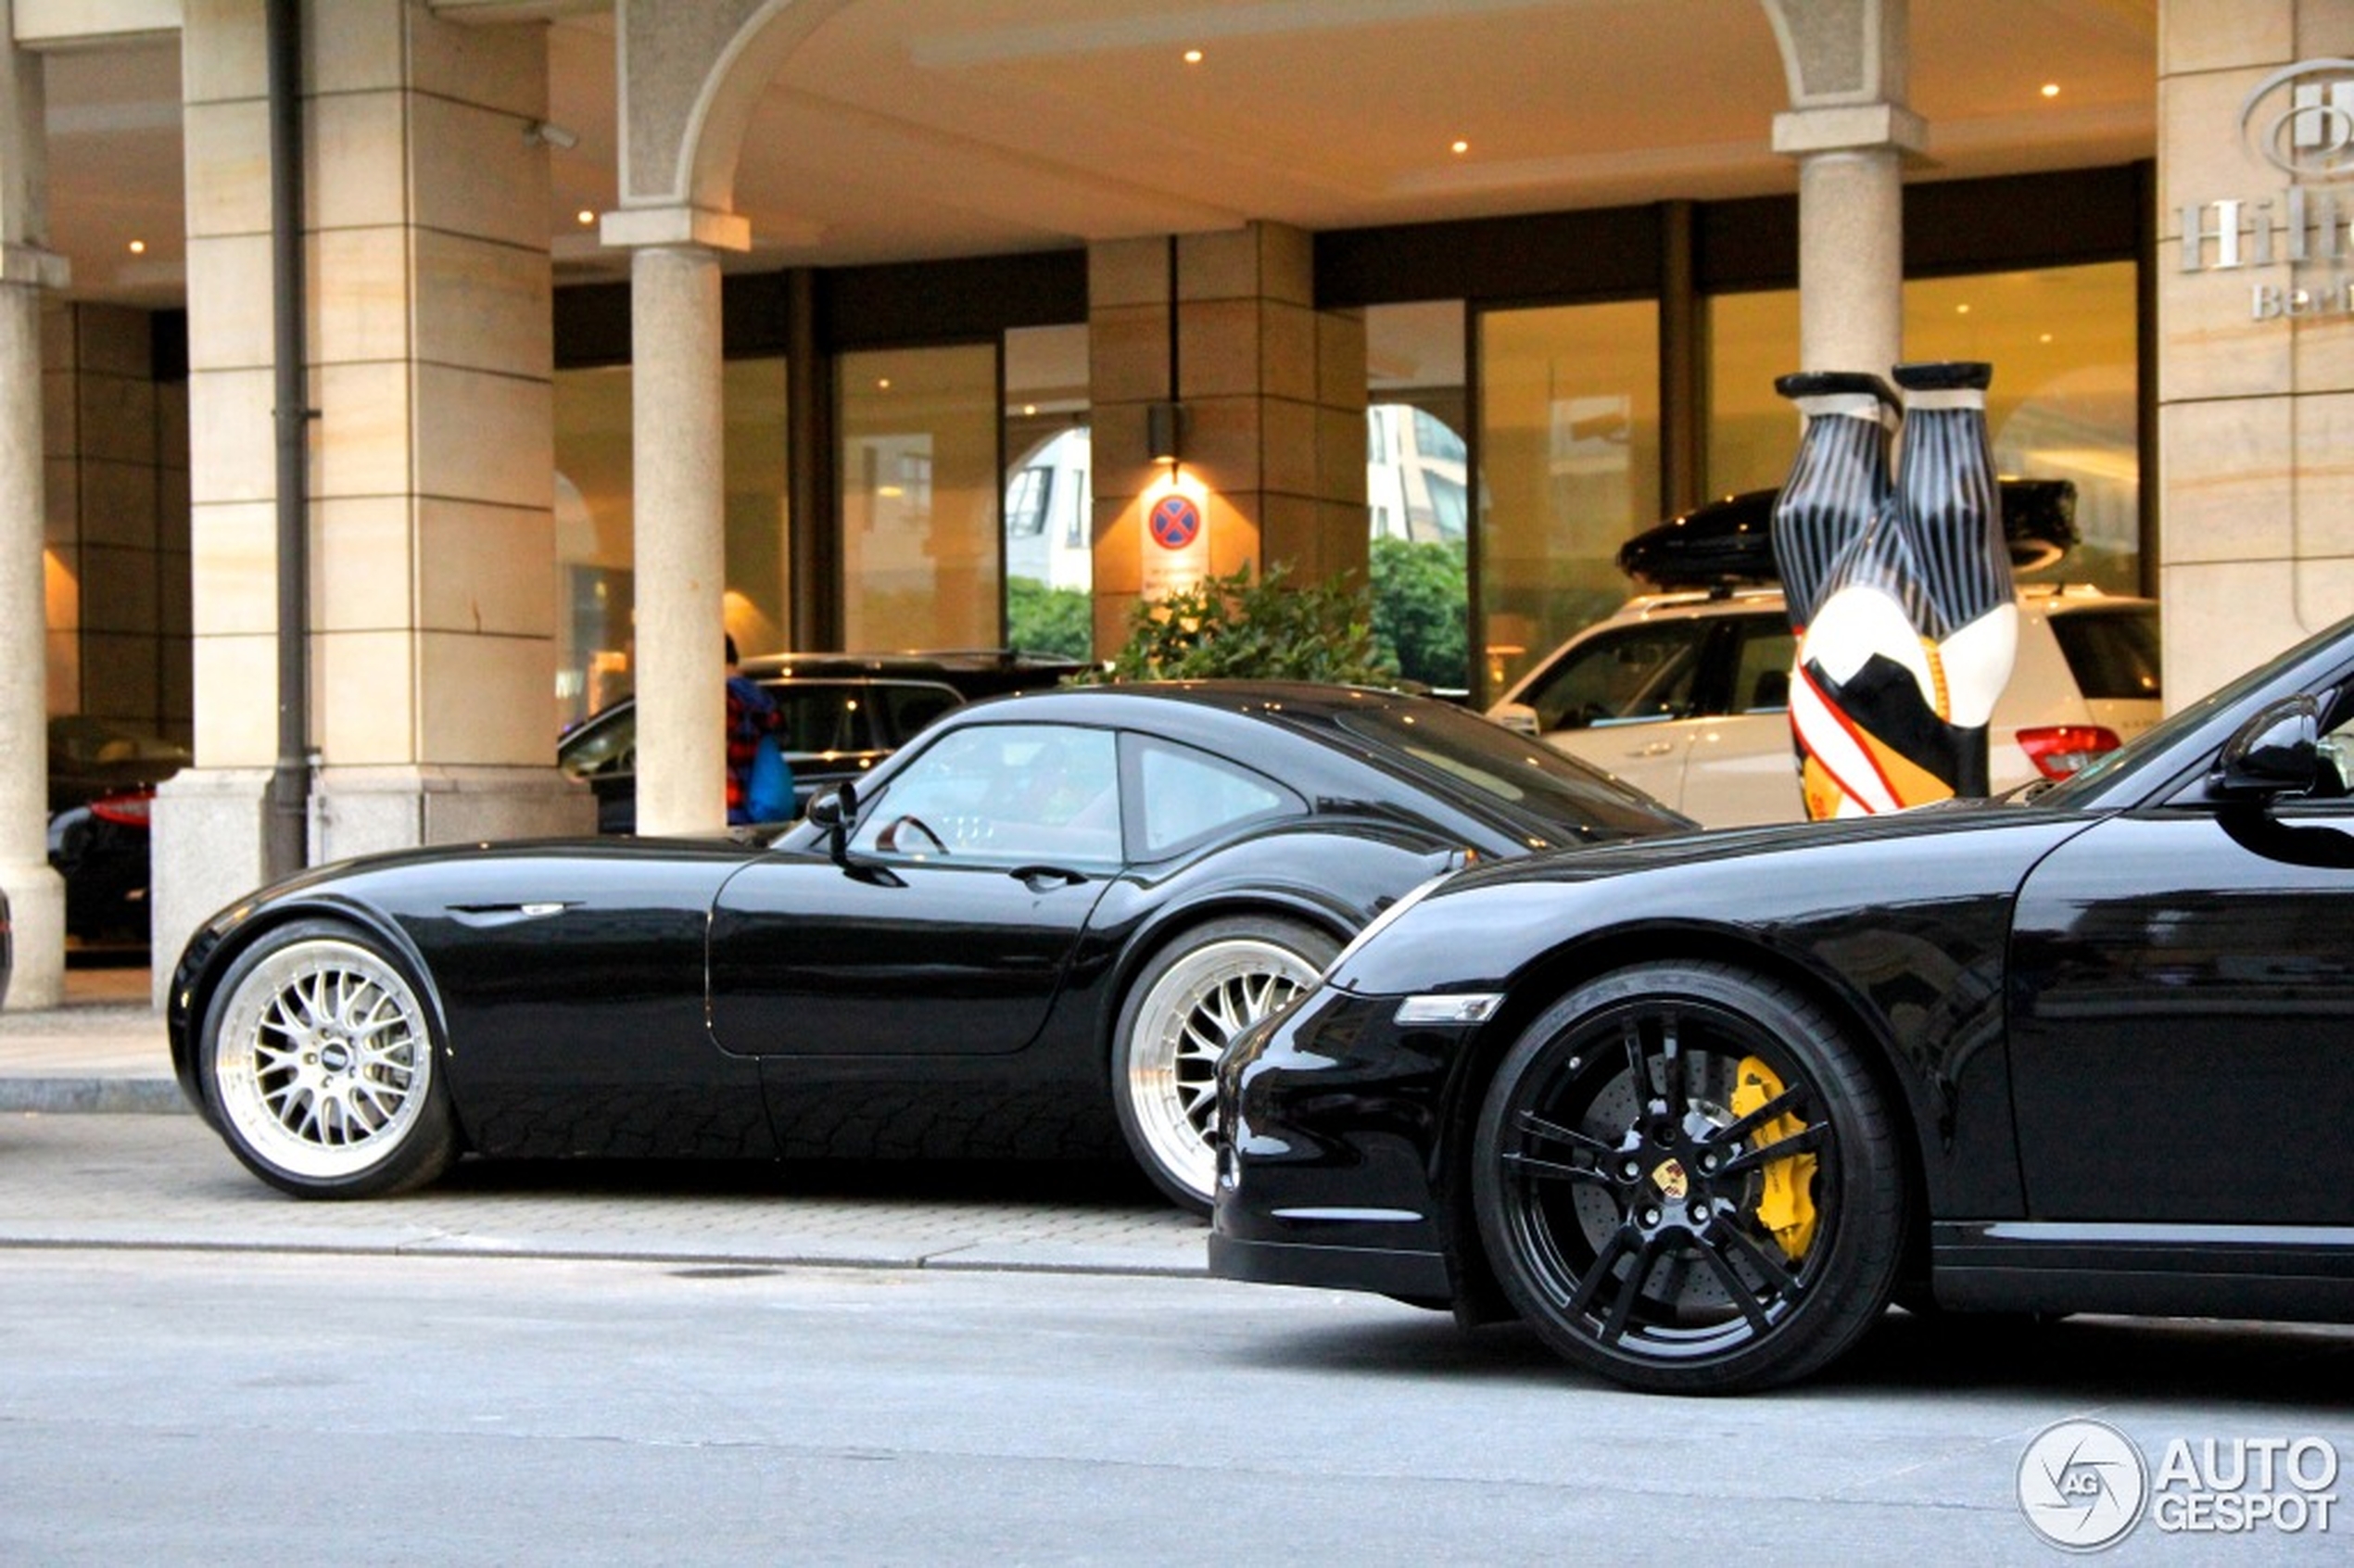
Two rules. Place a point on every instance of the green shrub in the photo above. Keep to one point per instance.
(1422, 609)
(1039, 619)
(1235, 628)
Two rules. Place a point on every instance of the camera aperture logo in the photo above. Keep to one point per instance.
(2083, 1486)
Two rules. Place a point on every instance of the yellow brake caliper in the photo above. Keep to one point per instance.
(1786, 1206)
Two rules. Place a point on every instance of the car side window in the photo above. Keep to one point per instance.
(823, 716)
(1763, 654)
(1633, 675)
(1002, 795)
(904, 707)
(1185, 794)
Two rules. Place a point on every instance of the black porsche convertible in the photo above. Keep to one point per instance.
(1695, 1109)
(1030, 932)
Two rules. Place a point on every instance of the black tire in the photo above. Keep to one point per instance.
(319, 1066)
(1202, 989)
(1625, 1224)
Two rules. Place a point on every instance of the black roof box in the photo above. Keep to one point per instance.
(1730, 541)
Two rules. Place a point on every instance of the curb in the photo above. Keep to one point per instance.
(92, 1096)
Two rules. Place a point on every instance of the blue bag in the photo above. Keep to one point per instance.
(768, 793)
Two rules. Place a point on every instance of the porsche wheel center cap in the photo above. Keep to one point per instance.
(1669, 1178)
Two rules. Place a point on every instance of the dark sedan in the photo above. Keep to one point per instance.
(1697, 1109)
(1030, 932)
(841, 714)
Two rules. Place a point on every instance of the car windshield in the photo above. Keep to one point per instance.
(2084, 787)
(1456, 750)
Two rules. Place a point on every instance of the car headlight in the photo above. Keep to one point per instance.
(1449, 1007)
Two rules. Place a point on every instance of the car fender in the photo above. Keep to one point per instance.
(1336, 881)
(217, 944)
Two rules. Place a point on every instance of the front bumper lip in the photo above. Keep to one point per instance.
(1327, 1146)
(1384, 1271)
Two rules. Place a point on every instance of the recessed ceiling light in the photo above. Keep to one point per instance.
(1028, 409)
(1193, 57)
(137, 248)
(883, 384)
(2045, 338)
(585, 216)
(2051, 89)
(1961, 310)
(1461, 147)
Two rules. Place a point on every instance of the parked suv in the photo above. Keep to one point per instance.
(1687, 695)
(844, 714)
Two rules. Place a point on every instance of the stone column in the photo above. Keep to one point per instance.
(36, 896)
(2255, 277)
(679, 506)
(1850, 132)
(1274, 391)
(432, 611)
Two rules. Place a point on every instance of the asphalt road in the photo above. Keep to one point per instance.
(223, 1398)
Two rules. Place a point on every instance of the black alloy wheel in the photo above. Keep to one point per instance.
(1686, 1181)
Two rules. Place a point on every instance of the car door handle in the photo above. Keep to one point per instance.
(1042, 879)
(1656, 749)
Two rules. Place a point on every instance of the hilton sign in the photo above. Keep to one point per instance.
(2300, 121)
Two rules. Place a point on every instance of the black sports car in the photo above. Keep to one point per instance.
(1030, 932)
(1696, 1108)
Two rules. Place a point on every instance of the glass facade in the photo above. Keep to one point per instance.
(596, 537)
(595, 541)
(1050, 501)
(1418, 489)
(759, 509)
(921, 490)
(2065, 402)
(1569, 463)
(1511, 449)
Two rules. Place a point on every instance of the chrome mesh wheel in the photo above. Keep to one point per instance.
(1205, 992)
(322, 1061)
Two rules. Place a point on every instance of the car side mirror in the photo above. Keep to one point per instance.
(1518, 717)
(835, 810)
(2277, 753)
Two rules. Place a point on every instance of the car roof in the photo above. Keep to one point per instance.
(946, 663)
(2055, 599)
(1294, 699)
(1304, 732)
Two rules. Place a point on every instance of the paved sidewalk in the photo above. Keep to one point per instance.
(142, 1181)
(103, 1050)
(167, 1182)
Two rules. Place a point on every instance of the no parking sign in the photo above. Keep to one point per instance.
(1176, 554)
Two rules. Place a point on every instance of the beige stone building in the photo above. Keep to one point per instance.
(386, 383)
